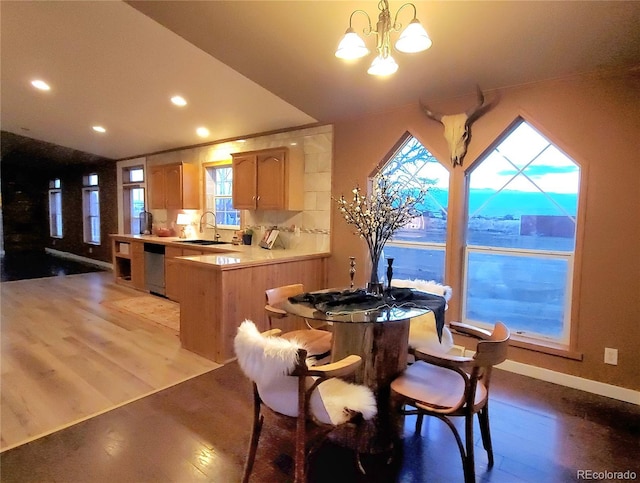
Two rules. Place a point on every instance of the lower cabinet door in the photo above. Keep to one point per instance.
(171, 280)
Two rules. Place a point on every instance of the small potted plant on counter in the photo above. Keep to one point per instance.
(247, 236)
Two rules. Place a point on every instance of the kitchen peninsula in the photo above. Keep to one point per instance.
(218, 286)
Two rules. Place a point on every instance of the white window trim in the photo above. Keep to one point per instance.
(51, 225)
(120, 167)
(214, 167)
(532, 337)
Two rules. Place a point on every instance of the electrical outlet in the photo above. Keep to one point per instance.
(90, 249)
(611, 356)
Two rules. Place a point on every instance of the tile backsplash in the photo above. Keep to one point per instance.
(307, 229)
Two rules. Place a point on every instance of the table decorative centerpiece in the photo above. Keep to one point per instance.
(377, 216)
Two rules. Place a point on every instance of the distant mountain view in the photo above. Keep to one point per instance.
(505, 203)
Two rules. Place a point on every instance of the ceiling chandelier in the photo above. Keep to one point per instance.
(413, 39)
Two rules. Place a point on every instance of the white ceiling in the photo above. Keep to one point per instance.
(256, 66)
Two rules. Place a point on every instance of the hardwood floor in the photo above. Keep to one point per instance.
(67, 354)
(199, 431)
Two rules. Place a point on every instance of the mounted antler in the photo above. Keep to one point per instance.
(457, 127)
(475, 112)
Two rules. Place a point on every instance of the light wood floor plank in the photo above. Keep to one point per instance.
(67, 355)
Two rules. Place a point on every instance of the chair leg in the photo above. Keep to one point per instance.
(253, 444)
(419, 419)
(468, 460)
(300, 458)
(483, 418)
(464, 455)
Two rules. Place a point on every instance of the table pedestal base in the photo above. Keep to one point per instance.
(383, 348)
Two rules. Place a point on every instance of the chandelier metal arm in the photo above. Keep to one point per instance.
(365, 30)
(397, 26)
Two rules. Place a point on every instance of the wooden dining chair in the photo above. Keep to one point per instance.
(314, 398)
(316, 341)
(443, 385)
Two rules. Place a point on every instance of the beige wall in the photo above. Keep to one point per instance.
(596, 120)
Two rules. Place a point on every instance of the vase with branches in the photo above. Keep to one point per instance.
(377, 216)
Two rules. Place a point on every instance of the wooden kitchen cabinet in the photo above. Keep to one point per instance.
(269, 179)
(216, 299)
(174, 187)
(137, 265)
(128, 263)
(171, 267)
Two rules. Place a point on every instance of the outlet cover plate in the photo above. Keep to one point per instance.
(611, 356)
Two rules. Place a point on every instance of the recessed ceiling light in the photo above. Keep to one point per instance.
(179, 101)
(40, 84)
(99, 129)
(203, 132)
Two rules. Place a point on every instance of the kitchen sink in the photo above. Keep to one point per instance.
(205, 242)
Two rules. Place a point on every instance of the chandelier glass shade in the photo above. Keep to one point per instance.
(413, 38)
(351, 46)
(383, 66)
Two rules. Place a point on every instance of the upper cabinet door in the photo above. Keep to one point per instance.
(245, 183)
(174, 187)
(269, 179)
(271, 194)
(157, 188)
(173, 181)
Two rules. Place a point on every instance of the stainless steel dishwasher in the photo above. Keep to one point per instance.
(154, 268)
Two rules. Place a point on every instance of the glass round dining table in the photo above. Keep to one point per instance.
(380, 337)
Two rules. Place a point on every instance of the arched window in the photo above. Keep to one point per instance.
(419, 248)
(521, 236)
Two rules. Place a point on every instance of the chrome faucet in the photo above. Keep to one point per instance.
(204, 225)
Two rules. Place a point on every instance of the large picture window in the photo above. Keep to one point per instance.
(418, 249)
(521, 234)
(91, 210)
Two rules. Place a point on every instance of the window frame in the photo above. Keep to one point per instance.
(565, 347)
(436, 246)
(207, 206)
(124, 184)
(90, 185)
(128, 187)
(55, 191)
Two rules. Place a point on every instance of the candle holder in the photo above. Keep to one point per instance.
(352, 270)
(388, 295)
(389, 272)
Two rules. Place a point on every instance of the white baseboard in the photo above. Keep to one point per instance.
(575, 382)
(73, 256)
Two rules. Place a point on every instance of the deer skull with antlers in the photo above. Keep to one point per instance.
(457, 127)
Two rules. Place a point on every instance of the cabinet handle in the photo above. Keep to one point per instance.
(253, 197)
(258, 198)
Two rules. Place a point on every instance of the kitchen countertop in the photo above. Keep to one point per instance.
(228, 256)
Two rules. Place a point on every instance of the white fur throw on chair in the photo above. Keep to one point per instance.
(422, 329)
(429, 286)
(268, 361)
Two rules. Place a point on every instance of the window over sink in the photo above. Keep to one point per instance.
(218, 186)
